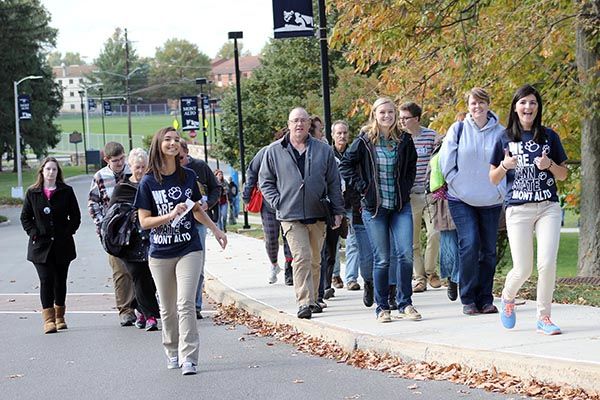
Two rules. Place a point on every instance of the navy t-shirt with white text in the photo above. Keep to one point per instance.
(526, 183)
(160, 199)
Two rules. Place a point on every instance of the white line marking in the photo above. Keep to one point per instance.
(68, 294)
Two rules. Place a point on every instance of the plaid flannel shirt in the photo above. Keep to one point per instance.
(386, 162)
(103, 184)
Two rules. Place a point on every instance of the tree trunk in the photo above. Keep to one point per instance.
(587, 57)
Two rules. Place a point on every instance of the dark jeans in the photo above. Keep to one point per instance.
(145, 290)
(53, 282)
(390, 234)
(328, 254)
(477, 231)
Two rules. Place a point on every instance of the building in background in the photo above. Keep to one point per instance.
(223, 71)
(72, 78)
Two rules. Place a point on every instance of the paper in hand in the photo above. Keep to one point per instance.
(189, 204)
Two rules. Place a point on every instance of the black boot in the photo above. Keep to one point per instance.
(452, 290)
(392, 298)
(368, 294)
(289, 274)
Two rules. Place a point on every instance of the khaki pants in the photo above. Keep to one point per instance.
(305, 241)
(176, 282)
(521, 222)
(420, 210)
(123, 285)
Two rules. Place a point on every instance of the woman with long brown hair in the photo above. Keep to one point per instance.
(51, 216)
(165, 197)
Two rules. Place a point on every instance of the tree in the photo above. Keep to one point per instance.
(176, 65)
(73, 59)
(55, 58)
(588, 63)
(226, 51)
(24, 35)
(112, 60)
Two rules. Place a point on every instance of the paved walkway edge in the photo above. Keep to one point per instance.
(573, 373)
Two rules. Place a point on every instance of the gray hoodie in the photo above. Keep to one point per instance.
(466, 164)
(294, 198)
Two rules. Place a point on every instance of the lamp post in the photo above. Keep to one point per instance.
(213, 104)
(18, 131)
(202, 82)
(126, 77)
(235, 36)
(102, 114)
(81, 96)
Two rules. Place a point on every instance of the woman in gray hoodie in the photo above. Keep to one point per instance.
(475, 203)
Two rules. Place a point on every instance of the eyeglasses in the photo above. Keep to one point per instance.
(298, 120)
(405, 118)
(117, 160)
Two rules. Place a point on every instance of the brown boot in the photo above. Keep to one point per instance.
(49, 317)
(60, 317)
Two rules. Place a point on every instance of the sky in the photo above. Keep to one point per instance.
(84, 26)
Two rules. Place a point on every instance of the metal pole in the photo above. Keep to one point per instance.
(128, 92)
(102, 114)
(238, 92)
(84, 133)
(204, 126)
(87, 114)
(18, 139)
(325, 69)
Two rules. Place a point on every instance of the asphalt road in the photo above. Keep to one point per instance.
(97, 359)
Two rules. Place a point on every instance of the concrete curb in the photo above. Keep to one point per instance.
(546, 369)
(5, 223)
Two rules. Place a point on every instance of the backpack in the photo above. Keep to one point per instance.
(435, 179)
(116, 228)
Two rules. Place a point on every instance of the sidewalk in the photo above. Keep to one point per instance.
(239, 275)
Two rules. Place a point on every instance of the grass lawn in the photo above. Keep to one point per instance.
(9, 179)
(143, 126)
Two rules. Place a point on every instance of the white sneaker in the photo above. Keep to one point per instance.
(173, 363)
(273, 273)
(188, 368)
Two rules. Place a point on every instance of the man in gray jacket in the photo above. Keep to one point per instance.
(296, 174)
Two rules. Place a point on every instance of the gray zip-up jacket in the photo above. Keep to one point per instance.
(465, 162)
(293, 197)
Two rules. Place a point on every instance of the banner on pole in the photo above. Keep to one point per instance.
(91, 105)
(107, 107)
(292, 18)
(189, 113)
(24, 107)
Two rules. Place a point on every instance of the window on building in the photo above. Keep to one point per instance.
(80, 80)
(72, 106)
(71, 94)
(218, 77)
(245, 74)
(230, 77)
(70, 81)
(59, 82)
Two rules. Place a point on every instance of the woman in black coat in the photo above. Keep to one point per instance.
(51, 216)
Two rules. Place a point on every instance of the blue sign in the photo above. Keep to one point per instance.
(189, 113)
(91, 105)
(107, 107)
(24, 102)
(293, 18)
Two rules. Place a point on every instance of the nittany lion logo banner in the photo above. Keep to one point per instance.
(189, 114)
(293, 18)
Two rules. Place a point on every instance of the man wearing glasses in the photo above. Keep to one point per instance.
(297, 174)
(424, 138)
(102, 187)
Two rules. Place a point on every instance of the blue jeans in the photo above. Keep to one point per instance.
(477, 231)
(364, 251)
(222, 222)
(449, 265)
(202, 234)
(390, 234)
(352, 252)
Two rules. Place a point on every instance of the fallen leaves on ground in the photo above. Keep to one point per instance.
(15, 376)
(490, 380)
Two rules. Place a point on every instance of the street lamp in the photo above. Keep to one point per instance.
(18, 132)
(202, 82)
(102, 114)
(235, 36)
(82, 94)
(213, 104)
(127, 98)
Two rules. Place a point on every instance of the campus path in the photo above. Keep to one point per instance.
(239, 275)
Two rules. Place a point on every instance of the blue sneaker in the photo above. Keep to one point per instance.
(547, 327)
(508, 316)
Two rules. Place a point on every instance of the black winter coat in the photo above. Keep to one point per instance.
(51, 223)
(359, 170)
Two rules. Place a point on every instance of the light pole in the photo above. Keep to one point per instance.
(18, 131)
(127, 98)
(202, 82)
(213, 104)
(235, 36)
(102, 114)
(81, 96)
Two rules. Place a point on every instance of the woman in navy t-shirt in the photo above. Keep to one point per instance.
(167, 203)
(532, 159)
